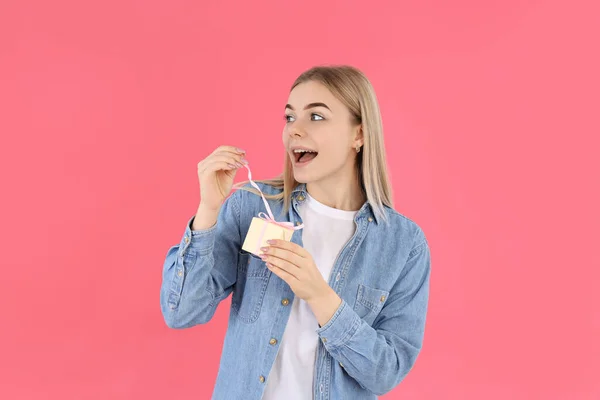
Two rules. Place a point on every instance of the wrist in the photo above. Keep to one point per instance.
(203, 208)
(205, 218)
(325, 305)
(325, 295)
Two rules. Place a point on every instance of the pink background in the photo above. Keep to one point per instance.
(490, 111)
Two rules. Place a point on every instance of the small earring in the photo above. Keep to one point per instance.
(358, 148)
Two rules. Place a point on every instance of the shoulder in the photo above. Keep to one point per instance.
(267, 188)
(404, 229)
(247, 190)
(247, 198)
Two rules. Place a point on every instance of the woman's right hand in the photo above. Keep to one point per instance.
(216, 173)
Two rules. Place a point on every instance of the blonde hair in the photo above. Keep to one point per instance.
(353, 89)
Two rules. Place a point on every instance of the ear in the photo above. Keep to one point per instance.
(359, 139)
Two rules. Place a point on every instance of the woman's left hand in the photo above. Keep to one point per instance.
(295, 265)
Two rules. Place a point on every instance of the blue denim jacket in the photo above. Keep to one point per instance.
(368, 346)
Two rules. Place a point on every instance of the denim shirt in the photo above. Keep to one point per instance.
(366, 348)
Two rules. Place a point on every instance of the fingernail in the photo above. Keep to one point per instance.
(244, 161)
(240, 150)
(263, 256)
(239, 165)
(271, 241)
(231, 165)
(264, 249)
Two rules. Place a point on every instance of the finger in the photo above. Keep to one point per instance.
(214, 163)
(226, 156)
(283, 265)
(283, 274)
(229, 149)
(239, 161)
(241, 158)
(289, 246)
(218, 166)
(234, 158)
(283, 254)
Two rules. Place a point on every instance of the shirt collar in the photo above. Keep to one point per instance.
(366, 211)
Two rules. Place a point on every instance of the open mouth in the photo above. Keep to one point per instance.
(304, 156)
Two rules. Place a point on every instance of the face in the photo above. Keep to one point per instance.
(320, 134)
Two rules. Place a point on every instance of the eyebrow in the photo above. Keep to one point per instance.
(311, 105)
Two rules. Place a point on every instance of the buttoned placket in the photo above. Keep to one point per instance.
(323, 357)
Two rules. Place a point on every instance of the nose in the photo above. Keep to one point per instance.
(295, 131)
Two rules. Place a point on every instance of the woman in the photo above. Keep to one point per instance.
(339, 311)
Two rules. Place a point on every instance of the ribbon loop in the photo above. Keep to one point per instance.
(270, 218)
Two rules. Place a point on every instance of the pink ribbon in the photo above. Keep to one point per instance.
(270, 218)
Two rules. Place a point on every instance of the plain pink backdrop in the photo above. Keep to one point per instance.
(491, 116)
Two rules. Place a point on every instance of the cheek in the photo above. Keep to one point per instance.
(333, 141)
(285, 136)
(331, 153)
(336, 150)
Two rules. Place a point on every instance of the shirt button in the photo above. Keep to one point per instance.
(273, 341)
(261, 379)
(285, 302)
(337, 277)
(382, 299)
(298, 223)
(341, 365)
(370, 219)
(321, 388)
(179, 273)
(301, 198)
(187, 239)
(324, 340)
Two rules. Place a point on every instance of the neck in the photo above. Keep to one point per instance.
(341, 192)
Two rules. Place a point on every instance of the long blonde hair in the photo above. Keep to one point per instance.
(353, 89)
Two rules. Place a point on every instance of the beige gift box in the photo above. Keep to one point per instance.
(262, 230)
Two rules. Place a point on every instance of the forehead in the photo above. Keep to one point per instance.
(312, 92)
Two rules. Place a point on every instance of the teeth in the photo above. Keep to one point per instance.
(304, 151)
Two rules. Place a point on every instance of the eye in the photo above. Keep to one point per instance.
(319, 118)
(288, 118)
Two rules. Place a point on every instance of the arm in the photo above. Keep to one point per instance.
(201, 270)
(378, 357)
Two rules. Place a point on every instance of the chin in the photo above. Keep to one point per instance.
(301, 178)
(310, 173)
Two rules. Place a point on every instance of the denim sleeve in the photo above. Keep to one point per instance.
(378, 357)
(201, 270)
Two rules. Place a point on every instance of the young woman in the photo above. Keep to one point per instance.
(339, 311)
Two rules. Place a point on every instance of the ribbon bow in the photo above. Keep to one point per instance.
(270, 218)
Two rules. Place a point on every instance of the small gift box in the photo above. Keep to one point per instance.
(264, 227)
(262, 230)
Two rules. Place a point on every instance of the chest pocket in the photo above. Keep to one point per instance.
(369, 302)
(250, 287)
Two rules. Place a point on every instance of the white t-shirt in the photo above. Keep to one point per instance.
(326, 230)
